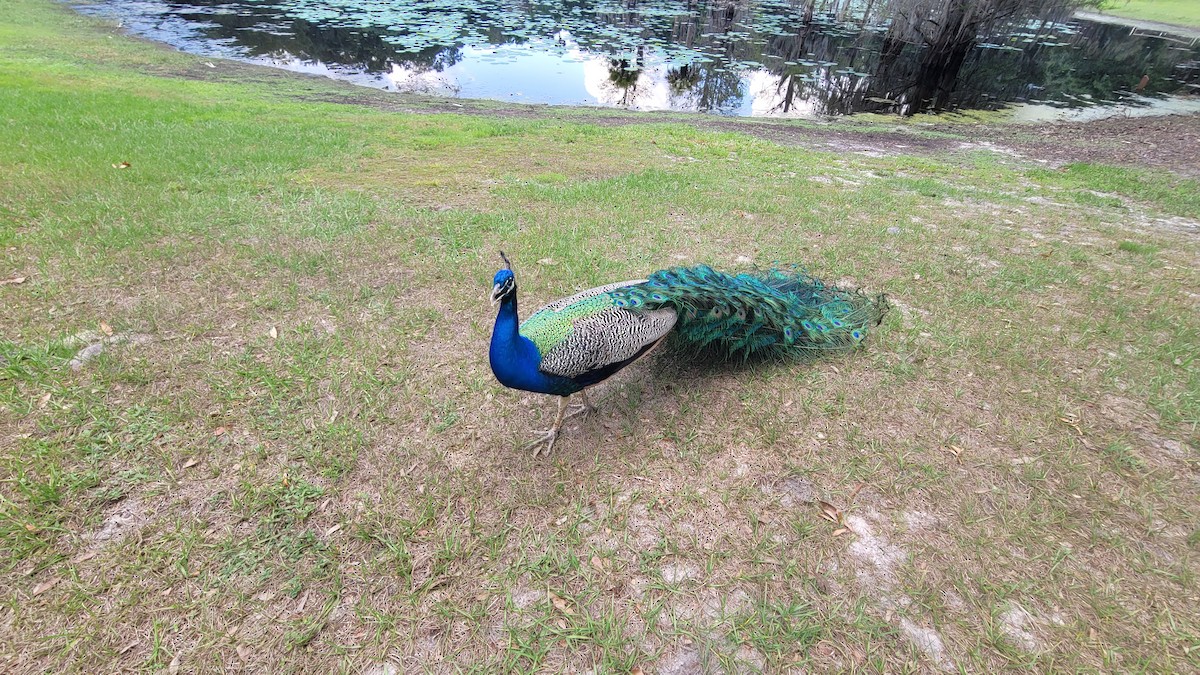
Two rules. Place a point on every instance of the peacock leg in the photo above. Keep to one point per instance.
(551, 435)
(586, 409)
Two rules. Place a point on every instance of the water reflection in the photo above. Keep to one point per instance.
(728, 58)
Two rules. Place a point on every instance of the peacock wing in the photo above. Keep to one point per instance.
(606, 338)
(587, 331)
(550, 325)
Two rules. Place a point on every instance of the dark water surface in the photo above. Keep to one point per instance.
(745, 58)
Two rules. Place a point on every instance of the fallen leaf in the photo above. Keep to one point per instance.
(637, 670)
(549, 262)
(85, 557)
(243, 652)
(105, 328)
(46, 585)
(173, 668)
(44, 400)
(190, 463)
(14, 281)
(840, 531)
(333, 529)
(560, 604)
(122, 165)
(274, 332)
(218, 431)
(597, 563)
(127, 647)
(829, 512)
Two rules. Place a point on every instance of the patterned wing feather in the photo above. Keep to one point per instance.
(606, 338)
(587, 332)
(551, 324)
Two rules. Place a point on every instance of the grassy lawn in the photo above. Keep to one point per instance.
(1176, 12)
(247, 421)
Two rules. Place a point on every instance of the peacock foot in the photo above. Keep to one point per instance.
(586, 408)
(547, 439)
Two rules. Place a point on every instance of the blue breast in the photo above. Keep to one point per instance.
(515, 359)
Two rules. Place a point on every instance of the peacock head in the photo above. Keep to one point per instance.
(504, 284)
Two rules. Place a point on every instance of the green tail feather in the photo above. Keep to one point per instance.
(778, 312)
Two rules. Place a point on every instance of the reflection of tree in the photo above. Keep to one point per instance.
(620, 74)
(706, 87)
(683, 78)
(624, 76)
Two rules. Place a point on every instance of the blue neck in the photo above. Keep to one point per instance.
(515, 358)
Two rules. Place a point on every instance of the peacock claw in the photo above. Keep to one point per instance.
(586, 408)
(582, 409)
(547, 439)
(550, 436)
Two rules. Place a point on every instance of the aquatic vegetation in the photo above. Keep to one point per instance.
(739, 59)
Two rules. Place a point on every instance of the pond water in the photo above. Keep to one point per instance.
(746, 58)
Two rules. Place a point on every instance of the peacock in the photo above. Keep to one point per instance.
(578, 341)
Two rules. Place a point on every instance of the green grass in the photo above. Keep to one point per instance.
(1135, 247)
(1177, 12)
(1176, 195)
(291, 454)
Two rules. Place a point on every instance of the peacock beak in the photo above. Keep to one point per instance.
(497, 293)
